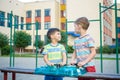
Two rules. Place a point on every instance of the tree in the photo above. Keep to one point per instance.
(4, 41)
(63, 37)
(22, 40)
(40, 44)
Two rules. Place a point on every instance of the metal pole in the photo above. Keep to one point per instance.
(36, 42)
(66, 41)
(116, 28)
(100, 17)
(11, 38)
(14, 41)
(92, 20)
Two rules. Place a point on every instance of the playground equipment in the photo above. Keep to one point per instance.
(65, 70)
(57, 70)
(116, 29)
(14, 70)
(101, 34)
(13, 27)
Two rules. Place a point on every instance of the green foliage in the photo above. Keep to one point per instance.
(47, 41)
(40, 44)
(70, 49)
(107, 49)
(6, 50)
(3, 40)
(63, 37)
(22, 39)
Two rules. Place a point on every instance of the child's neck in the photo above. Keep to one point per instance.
(82, 33)
(54, 43)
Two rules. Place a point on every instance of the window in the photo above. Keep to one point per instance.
(47, 12)
(8, 21)
(45, 39)
(118, 19)
(37, 13)
(63, 26)
(22, 23)
(118, 30)
(28, 26)
(2, 16)
(28, 14)
(47, 25)
(39, 26)
(16, 21)
(62, 13)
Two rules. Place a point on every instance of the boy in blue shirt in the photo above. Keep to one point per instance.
(54, 53)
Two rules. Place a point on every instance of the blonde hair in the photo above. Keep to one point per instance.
(83, 21)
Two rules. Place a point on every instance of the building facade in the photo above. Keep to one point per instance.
(53, 13)
(118, 22)
(46, 13)
(107, 23)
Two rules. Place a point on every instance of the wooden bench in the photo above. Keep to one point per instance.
(31, 71)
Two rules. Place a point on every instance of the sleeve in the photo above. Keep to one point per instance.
(91, 42)
(45, 51)
(73, 45)
(63, 49)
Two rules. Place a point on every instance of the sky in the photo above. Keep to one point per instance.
(44, 0)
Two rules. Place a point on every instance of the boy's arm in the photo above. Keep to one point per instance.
(91, 56)
(64, 58)
(47, 61)
(73, 57)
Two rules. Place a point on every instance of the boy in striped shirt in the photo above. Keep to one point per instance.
(84, 48)
(54, 52)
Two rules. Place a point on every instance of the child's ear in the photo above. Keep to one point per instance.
(51, 36)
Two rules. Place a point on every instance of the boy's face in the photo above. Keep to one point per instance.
(56, 36)
(77, 28)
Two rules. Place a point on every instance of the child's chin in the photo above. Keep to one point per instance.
(59, 40)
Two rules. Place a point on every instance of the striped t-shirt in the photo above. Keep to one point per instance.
(82, 47)
(54, 52)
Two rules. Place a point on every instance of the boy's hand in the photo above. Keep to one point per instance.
(63, 63)
(72, 62)
(51, 64)
(80, 64)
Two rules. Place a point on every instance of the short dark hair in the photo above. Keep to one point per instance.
(52, 31)
(83, 21)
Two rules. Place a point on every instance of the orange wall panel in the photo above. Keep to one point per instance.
(118, 24)
(38, 19)
(119, 35)
(28, 20)
(47, 19)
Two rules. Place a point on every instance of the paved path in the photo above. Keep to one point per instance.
(109, 66)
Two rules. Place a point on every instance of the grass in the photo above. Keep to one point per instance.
(40, 56)
(105, 58)
(23, 55)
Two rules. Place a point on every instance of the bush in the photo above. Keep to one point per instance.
(70, 49)
(107, 49)
(3, 40)
(5, 50)
(40, 44)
